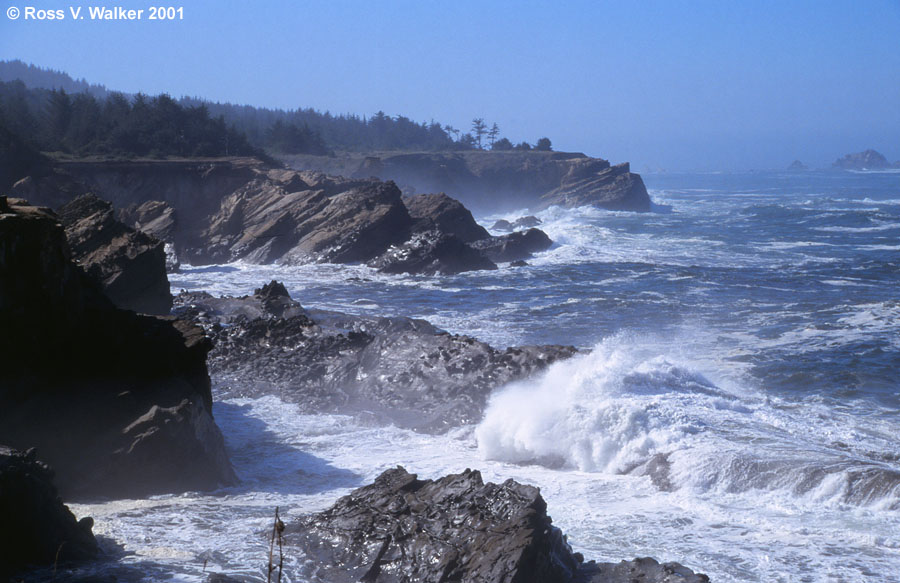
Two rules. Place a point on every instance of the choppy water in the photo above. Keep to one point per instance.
(745, 336)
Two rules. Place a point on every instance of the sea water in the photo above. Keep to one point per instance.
(736, 407)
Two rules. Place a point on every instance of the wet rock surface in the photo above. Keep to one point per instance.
(36, 528)
(431, 253)
(456, 528)
(399, 370)
(129, 264)
(515, 246)
(119, 404)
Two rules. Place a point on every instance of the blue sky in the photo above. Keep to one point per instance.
(674, 85)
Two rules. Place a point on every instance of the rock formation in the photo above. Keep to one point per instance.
(591, 181)
(514, 246)
(222, 211)
(456, 528)
(431, 253)
(37, 528)
(118, 403)
(868, 160)
(499, 180)
(445, 214)
(130, 265)
(400, 370)
(797, 166)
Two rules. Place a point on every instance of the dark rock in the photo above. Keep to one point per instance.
(445, 214)
(526, 222)
(399, 370)
(37, 528)
(502, 225)
(430, 253)
(514, 246)
(868, 160)
(456, 528)
(797, 166)
(644, 570)
(118, 403)
(128, 264)
(518, 263)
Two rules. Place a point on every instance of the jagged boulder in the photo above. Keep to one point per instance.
(430, 253)
(400, 370)
(118, 403)
(514, 246)
(456, 528)
(445, 214)
(130, 265)
(37, 528)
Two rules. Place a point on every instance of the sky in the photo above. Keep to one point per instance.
(666, 85)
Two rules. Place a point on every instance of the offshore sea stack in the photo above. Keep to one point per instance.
(119, 404)
(456, 528)
(399, 370)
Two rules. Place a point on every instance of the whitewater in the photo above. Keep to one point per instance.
(735, 406)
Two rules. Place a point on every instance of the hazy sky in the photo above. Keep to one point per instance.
(678, 85)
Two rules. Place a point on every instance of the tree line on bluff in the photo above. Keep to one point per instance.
(54, 113)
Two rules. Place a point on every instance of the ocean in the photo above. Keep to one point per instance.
(736, 407)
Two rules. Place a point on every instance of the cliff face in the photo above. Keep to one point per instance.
(490, 181)
(118, 403)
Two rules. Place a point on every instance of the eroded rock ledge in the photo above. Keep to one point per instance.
(401, 370)
(456, 528)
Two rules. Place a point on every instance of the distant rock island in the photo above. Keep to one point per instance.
(798, 166)
(868, 160)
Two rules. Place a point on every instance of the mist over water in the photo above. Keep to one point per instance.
(736, 407)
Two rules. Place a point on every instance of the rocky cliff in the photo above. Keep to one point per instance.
(224, 210)
(492, 181)
(118, 403)
(456, 528)
(400, 370)
(129, 264)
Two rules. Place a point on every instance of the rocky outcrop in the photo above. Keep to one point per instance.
(456, 528)
(590, 181)
(37, 528)
(868, 160)
(118, 403)
(445, 214)
(491, 181)
(516, 225)
(431, 253)
(397, 370)
(130, 265)
(515, 246)
(797, 166)
(222, 211)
